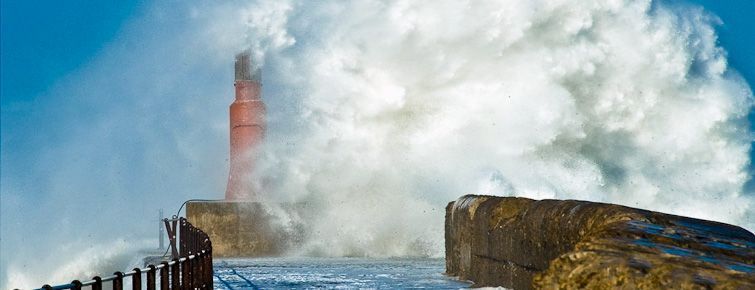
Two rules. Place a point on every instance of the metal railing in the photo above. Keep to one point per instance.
(190, 268)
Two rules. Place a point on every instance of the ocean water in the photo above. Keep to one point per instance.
(333, 273)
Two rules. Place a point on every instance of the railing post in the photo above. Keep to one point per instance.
(192, 272)
(151, 277)
(209, 269)
(118, 281)
(194, 240)
(172, 237)
(136, 280)
(164, 276)
(190, 240)
(184, 273)
(97, 283)
(76, 285)
(175, 275)
(207, 273)
(199, 281)
(182, 240)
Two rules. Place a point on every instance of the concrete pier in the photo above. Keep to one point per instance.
(245, 229)
(522, 243)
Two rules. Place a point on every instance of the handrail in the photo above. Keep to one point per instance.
(191, 270)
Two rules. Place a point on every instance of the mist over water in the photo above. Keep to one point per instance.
(403, 106)
(380, 112)
(77, 262)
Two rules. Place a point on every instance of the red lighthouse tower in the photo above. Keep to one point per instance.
(241, 225)
(247, 128)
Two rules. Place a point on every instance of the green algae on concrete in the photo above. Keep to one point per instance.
(522, 243)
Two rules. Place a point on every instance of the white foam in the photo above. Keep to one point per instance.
(404, 105)
(70, 261)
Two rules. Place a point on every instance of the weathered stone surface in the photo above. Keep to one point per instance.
(244, 229)
(566, 244)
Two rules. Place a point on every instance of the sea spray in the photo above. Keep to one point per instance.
(380, 112)
(401, 106)
(68, 260)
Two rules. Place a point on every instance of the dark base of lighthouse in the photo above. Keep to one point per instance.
(244, 229)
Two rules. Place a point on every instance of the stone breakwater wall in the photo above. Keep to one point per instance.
(522, 243)
(248, 229)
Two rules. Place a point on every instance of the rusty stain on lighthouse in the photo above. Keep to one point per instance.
(247, 128)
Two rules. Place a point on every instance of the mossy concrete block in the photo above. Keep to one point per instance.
(241, 229)
(522, 243)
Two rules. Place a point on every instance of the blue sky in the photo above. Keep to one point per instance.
(42, 43)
